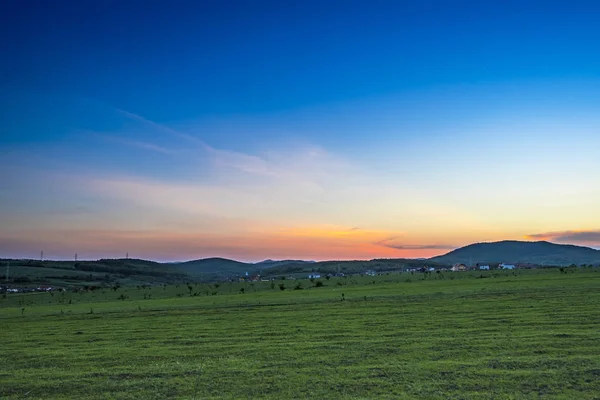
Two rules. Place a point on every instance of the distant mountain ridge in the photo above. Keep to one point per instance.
(134, 271)
(514, 251)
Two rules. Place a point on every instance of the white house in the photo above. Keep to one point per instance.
(507, 266)
(314, 275)
(484, 267)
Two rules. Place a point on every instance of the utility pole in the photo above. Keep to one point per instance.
(75, 257)
(42, 255)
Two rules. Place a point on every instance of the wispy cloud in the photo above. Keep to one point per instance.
(589, 237)
(138, 144)
(293, 162)
(162, 128)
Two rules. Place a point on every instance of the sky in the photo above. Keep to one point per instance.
(176, 130)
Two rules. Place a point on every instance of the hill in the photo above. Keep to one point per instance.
(90, 273)
(215, 266)
(512, 251)
(212, 268)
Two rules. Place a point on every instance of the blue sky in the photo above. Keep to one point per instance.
(266, 129)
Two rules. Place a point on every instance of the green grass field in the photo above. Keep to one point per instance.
(530, 334)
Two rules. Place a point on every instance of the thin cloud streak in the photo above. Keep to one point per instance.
(296, 165)
(589, 237)
(163, 128)
(241, 161)
(419, 246)
(139, 144)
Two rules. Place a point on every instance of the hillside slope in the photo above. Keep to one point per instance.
(215, 265)
(512, 251)
(89, 273)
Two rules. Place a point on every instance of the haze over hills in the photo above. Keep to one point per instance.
(274, 263)
(512, 251)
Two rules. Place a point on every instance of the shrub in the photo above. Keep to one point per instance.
(319, 284)
(281, 286)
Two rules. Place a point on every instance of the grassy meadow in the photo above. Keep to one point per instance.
(501, 335)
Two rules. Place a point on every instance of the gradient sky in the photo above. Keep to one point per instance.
(174, 130)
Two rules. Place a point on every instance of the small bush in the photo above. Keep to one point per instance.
(319, 284)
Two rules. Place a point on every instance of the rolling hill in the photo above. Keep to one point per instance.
(512, 251)
(89, 273)
(224, 267)
(215, 265)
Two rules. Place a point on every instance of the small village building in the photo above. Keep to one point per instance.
(459, 267)
(484, 267)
